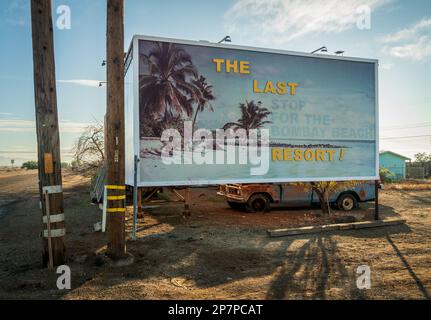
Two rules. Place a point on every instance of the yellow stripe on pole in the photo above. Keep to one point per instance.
(116, 197)
(110, 187)
(112, 210)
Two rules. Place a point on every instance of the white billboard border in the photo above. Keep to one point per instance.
(135, 47)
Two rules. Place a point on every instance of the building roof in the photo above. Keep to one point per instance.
(395, 154)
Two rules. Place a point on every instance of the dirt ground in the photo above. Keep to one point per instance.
(218, 253)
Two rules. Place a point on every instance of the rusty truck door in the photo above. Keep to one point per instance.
(294, 196)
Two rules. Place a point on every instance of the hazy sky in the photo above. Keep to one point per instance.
(399, 36)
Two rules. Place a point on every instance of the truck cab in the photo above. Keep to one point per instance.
(261, 197)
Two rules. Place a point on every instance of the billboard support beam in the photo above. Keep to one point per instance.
(48, 137)
(115, 157)
(135, 196)
(186, 212)
(376, 200)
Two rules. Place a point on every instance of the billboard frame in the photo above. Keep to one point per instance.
(134, 50)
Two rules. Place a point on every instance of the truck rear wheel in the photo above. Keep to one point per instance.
(258, 203)
(347, 202)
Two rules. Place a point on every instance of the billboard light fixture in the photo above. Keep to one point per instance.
(225, 39)
(321, 49)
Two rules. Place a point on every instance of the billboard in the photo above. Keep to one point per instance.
(200, 113)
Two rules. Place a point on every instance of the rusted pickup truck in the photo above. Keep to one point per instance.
(260, 197)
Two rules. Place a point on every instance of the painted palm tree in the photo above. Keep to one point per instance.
(205, 96)
(253, 116)
(167, 89)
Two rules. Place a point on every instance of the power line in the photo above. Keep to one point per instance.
(406, 137)
(407, 126)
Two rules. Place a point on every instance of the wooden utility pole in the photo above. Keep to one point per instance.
(115, 130)
(48, 140)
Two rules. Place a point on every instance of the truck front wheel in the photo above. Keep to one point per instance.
(236, 205)
(258, 203)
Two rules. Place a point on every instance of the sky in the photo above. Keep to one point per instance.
(397, 33)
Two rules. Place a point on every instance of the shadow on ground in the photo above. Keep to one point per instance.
(238, 258)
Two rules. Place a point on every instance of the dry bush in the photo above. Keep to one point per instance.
(324, 190)
(89, 153)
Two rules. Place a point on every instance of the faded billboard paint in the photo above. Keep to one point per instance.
(320, 113)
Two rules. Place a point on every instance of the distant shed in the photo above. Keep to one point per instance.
(395, 163)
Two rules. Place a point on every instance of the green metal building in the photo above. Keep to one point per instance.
(395, 163)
